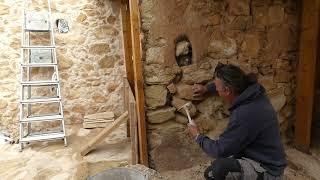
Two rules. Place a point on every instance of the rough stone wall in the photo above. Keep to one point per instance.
(89, 56)
(260, 36)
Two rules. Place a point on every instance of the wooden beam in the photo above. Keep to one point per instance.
(138, 80)
(306, 72)
(103, 134)
(127, 42)
(126, 90)
(133, 130)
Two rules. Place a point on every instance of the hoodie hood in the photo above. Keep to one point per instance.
(248, 95)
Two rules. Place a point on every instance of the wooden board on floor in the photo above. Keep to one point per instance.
(103, 134)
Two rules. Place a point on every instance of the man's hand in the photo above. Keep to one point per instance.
(193, 130)
(199, 90)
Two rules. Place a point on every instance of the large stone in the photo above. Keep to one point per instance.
(280, 39)
(157, 74)
(278, 99)
(78, 108)
(99, 49)
(99, 98)
(282, 76)
(251, 45)
(267, 82)
(64, 62)
(107, 62)
(156, 96)
(105, 31)
(182, 48)
(191, 75)
(241, 23)
(4, 9)
(222, 47)
(275, 15)
(181, 119)
(239, 7)
(3, 104)
(260, 17)
(155, 55)
(82, 17)
(184, 91)
(111, 19)
(161, 115)
(178, 103)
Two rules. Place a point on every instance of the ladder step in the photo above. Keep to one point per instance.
(36, 30)
(36, 21)
(40, 100)
(43, 118)
(44, 136)
(38, 47)
(39, 65)
(39, 83)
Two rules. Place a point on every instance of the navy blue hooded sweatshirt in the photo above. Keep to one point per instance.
(252, 132)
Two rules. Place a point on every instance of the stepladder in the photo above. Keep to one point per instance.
(41, 109)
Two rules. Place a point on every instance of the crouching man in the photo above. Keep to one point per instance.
(250, 148)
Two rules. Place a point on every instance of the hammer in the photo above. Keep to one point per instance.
(186, 108)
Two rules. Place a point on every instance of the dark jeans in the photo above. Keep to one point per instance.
(221, 167)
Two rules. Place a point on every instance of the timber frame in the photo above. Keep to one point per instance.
(134, 74)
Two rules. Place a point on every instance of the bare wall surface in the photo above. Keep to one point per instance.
(259, 36)
(89, 56)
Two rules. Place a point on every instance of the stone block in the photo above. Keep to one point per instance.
(4, 9)
(157, 74)
(64, 62)
(251, 45)
(282, 76)
(222, 47)
(267, 82)
(161, 115)
(178, 103)
(275, 15)
(107, 62)
(239, 7)
(192, 74)
(241, 23)
(277, 99)
(3, 104)
(155, 55)
(99, 49)
(181, 119)
(156, 96)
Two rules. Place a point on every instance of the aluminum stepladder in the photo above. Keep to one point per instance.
(37, 56)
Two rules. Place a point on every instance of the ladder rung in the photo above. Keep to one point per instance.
(39, 83)
(40, 100)
(37, 30)
(43, 118)
(44, 136)
(38, 47)
(39, 65)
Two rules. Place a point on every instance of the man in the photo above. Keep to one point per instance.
(250, 147)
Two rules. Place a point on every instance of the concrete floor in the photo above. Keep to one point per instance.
(51, 160)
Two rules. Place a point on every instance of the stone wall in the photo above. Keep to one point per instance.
(259, 36)
(89, 56)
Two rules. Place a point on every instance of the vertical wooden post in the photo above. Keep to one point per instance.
(138, 80)
(306, 73)
(126, 90)
(127, 44)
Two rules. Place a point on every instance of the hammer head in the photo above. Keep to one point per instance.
(185, 106)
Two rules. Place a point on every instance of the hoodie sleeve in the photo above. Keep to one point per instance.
(212, 88)
(231, 142)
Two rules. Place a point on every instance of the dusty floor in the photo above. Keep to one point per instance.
(51, 160)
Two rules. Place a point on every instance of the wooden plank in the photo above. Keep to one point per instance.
(103, 134)
(126, 89)
(138, 80)
(306, 73)
(133, 131)
(127, 44)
